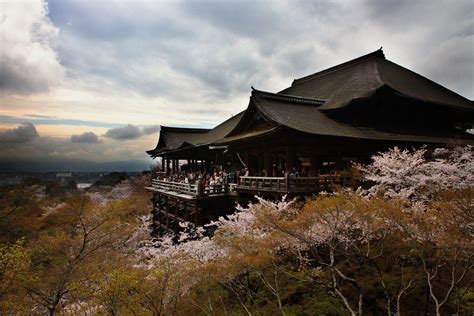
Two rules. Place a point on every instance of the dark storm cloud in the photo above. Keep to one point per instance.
(130, 131)
(127, 20)
(242, 18)
(178, 48)
(124, 133)
(150, 129)
(213, 51)
(86, 138)
(14, 79)
(28, 61)
(46, 148)
(24, 133)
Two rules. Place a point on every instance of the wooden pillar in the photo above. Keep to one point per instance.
(268, 161)
(259, 165)
(289, 157)
(163, 164)
(314, 161)
(275, 165)
(173, 164)
(339, 165)
(177, 214)
(166, 209)
(175, 219)
(199, 189)
(167, 166)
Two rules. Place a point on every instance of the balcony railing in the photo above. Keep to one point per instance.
(194, 190)
(291, 184)
(286, 184)
(276, 184)
(178, 187)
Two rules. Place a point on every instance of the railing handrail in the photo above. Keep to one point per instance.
(262, 178)
(173, 182)
(290, 183)
(176, 186)
(294, 177)
(180, 187)
(277, 184)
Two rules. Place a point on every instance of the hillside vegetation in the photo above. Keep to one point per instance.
(403, 245)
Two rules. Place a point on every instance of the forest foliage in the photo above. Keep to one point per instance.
(401, 245)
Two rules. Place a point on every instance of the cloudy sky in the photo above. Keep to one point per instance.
(94, 79)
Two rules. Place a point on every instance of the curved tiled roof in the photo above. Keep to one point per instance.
(172, 138)
(362, 77)
(306, 107)
(309, 119)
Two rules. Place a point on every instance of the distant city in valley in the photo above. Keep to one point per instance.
(71, 165)
(80, 179)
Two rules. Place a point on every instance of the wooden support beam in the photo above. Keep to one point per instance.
(168, 166)
(289, 157)
(314, 161)
(268, 163)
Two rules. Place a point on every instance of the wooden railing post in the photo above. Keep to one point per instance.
(199, 188)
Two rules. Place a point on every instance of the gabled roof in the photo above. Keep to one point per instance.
(362, 77)
(310, 119)
(176, 137)
(172, 138)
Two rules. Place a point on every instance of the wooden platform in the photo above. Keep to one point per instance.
(175, 202)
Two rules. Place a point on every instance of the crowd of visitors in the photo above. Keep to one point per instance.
(212, 178)
(223, 176)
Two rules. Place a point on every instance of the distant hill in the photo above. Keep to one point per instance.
(76, 165)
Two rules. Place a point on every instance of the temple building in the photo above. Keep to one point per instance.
(304, 138)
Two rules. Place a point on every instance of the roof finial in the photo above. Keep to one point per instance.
(380, 52)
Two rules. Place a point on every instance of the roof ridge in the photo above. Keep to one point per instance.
(184, 129)
(377, 53)
(285, 97)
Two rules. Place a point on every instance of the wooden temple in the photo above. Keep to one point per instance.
(303, 139)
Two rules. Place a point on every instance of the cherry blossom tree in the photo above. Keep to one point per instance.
(411, 175)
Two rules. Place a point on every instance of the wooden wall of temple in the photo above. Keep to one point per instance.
(281, 152)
